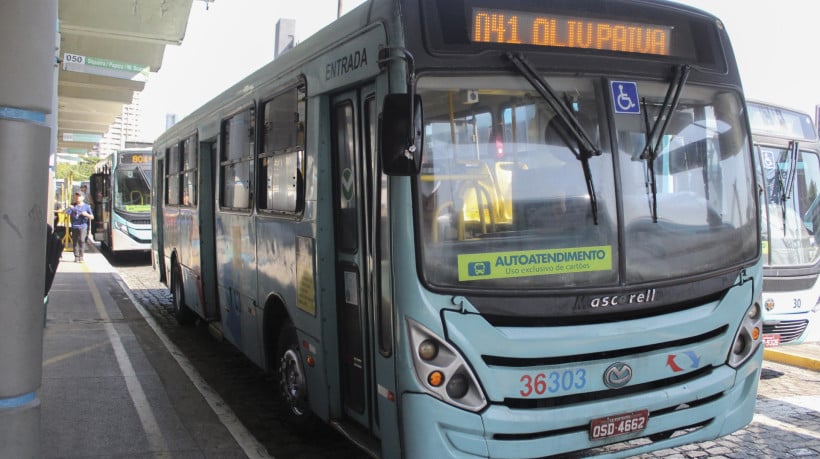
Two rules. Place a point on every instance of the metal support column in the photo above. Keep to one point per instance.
(28, 35)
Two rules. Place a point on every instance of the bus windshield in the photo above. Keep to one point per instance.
(132, 190)
(791, 221)
(503, 202)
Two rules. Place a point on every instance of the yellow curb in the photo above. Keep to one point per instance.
(791, 359)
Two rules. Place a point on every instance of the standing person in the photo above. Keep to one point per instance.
(84, 191)
(81, 215)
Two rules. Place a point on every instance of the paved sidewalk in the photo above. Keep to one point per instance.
(110, 387)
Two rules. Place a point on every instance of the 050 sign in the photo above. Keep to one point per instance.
(73, 58)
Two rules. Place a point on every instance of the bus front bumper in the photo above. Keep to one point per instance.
(709, 407)
(123, 241)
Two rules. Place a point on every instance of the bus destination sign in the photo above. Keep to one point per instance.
(135, 158)
(523, 28)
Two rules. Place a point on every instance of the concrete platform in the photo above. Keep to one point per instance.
(806, 355)
(110, 387)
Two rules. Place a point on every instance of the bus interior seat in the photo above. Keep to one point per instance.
(556, 134)
(479, 197)
(567, 208)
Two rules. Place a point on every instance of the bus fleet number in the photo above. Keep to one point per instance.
(553, 382)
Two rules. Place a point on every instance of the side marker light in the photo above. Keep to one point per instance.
(436, 378)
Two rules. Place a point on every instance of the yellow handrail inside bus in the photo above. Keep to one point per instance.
(137, 198)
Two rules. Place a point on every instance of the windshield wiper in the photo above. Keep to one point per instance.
(146, 176)
(584, 148)
(787, 186)
(654, 137)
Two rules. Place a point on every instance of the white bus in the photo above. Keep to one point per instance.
(788, 153)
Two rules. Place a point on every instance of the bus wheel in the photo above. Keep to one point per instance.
(292, 382)
(182, 313)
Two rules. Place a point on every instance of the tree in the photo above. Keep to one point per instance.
(77, 172)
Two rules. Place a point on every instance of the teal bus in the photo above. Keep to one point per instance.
(481, 228)
(120, 196)
(788, 152)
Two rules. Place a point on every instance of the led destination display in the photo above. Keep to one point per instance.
(521, 28)
(135, 158)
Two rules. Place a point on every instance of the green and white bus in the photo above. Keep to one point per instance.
(481, 228)
(120, 196)
(788, 151)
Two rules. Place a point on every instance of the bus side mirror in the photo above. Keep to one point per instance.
(401, 137)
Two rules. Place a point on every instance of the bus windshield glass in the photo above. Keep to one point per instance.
(132, 190)
(791, 221)
(789, 157)
(503, 203)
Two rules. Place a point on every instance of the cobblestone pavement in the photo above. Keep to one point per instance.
(786, 423)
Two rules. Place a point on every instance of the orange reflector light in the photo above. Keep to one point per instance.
(755, 333)
(310, 360)
(436, 378)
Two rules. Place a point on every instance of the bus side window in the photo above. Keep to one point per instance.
(189, 188)
(236, 161)
(173, 178)
(281, 163)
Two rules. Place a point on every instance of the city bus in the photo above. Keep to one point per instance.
(481, 228)
(120, 196)
(788, 152)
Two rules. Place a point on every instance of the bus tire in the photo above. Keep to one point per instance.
(182, 313)
(291, 380)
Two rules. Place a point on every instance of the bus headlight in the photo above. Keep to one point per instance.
(748, 337)
(442, 370)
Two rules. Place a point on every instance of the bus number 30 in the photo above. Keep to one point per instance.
(553, 382)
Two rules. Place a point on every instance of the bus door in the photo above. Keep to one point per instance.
(99, 184)
(207, 251)
(354, 257)
(157, 222)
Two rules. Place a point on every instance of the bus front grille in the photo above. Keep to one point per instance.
(517, 362)
(521, 403)
(789, 330)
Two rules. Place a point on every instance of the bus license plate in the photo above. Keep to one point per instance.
(619, 424)
(772, 340)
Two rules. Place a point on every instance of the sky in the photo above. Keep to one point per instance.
(223, 44)
(774, 43)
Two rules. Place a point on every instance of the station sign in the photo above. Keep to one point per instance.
(81, 137)
(105, 67)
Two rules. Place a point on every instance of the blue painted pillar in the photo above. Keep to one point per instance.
(28, 33)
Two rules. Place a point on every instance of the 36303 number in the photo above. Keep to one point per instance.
(553, 382)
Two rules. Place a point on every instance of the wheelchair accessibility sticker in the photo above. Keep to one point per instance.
(625, 97)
